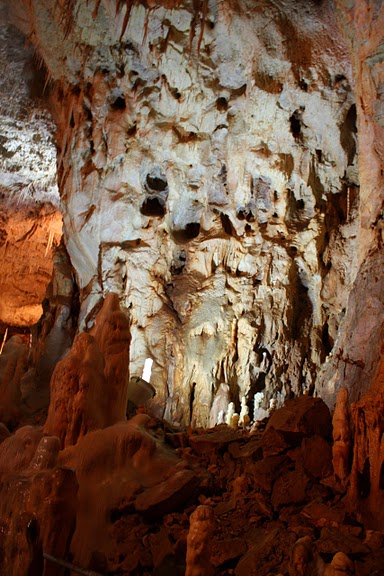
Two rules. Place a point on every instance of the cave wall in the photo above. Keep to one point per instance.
(358, 350)
(208, 175)
(30, 219)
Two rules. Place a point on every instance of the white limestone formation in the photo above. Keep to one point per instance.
(230, 414)
(210, 179)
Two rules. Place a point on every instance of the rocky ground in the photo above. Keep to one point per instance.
(268, 487)
(297, 493)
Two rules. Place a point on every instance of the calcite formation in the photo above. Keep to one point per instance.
(341, 433)
(367, 476)
(213, 223)
(30, 220)
(201, 530)
(12, 365)
(89, 385)
(207, 169)
(358, 349)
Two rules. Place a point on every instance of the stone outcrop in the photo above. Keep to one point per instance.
(201, 530)
(342, 436)
(205, 501)
(13, 361)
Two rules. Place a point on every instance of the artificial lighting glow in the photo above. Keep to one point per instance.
(147, 370)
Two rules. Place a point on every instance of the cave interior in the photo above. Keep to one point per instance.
(191, 287)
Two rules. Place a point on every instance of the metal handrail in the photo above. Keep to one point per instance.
(70, 566)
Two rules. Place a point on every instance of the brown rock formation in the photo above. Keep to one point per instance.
(358, 349)
(367, 477)
(89, 386)
(341, 450)
(13, 361)
(201, 529)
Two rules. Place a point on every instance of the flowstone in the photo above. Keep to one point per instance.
(208, 176)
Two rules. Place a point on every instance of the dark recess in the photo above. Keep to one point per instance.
(157, 184)
(153, 206)
(119, 103)
(295, 122)
(364, 480)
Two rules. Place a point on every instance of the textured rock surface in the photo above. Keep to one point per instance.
(207, 166)
(121, 501)
(356, 354)
(89, 385)
(30, 222)
(28, 235)
(367, 476)
(12, 366)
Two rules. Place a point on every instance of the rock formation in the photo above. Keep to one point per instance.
(341, 433)
(30, 221)
(367, 476)
(218, 221)
(210, 181)
(89, 386)
(12, 366)
(201, 530)
(357, 352)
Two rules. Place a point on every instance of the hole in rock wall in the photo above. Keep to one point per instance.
(348, 134)
(156, 183)
(222, 104)
(326, 340)
(192, 401)
(153, 206)
(189, 232)
(227, 224)
(295, 122)
(119, 103)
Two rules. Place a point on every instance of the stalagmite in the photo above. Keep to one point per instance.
(46, 453)
(230, 414)
(201, 530)
(260, 413)
(340, 565)
(243, 417)
(89, 387)
(304, 560)
(341, 450)
(220, 404)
